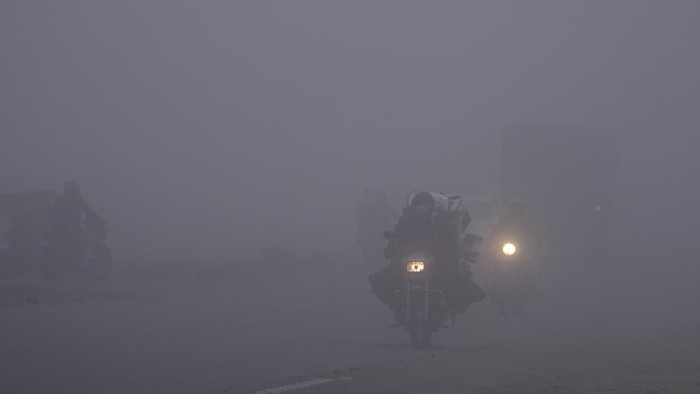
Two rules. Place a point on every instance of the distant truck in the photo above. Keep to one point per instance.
(566, 175)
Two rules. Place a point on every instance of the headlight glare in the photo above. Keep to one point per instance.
(509, 249)
(415, 266)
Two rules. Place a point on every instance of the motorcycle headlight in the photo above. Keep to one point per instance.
(415, 266)
(509, 249)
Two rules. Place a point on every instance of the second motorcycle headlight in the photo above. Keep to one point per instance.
(509, 249)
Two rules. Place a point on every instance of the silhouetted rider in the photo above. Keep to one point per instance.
(415, 224)
(517, 224)
(427, 218)
(517, 227)
(421, 220)
(68, 214)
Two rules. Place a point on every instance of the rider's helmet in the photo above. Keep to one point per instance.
(423, 199)
(71, 188)
(516, 208)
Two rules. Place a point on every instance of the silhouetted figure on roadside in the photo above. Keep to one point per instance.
(68, 215)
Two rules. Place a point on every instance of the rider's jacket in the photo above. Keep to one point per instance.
(67, 213)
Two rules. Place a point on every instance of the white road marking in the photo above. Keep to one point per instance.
(297, 386)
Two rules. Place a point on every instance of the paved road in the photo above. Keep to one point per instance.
(227, 334)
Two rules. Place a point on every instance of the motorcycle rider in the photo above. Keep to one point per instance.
(517, 225)
(66, 220)
(428, 217)
(517, 222)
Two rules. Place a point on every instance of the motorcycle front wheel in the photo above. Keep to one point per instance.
(419, 331)
(420, 335)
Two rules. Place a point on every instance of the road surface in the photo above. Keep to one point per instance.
(325, 333)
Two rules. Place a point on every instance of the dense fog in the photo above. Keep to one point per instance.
(209, 130)
(205, 131)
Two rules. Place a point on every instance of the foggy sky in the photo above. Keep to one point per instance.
(212, 128)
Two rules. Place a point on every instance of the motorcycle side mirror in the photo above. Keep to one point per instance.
(388, 235)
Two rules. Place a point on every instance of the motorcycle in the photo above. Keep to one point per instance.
(86, 254)
(511, 282)
(419, 303)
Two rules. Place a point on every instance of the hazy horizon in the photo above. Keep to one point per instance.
(211, 129)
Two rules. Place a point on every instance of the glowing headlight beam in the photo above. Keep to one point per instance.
(509, 249)
(415, 266)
